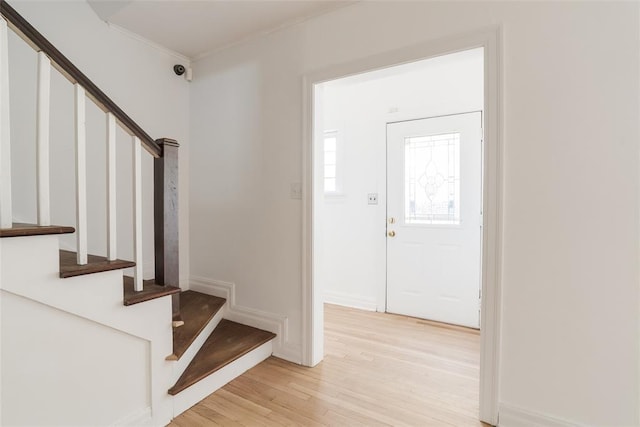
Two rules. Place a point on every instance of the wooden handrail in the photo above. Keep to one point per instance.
(165, 151)
(73, 74)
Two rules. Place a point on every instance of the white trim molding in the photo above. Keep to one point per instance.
(349, 300)
(513, 416)
(140, 417)
(312, 312)
(144, 40)
(283, 26)
(276, 323)
(6, 212)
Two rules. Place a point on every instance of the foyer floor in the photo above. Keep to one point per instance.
(379, 369)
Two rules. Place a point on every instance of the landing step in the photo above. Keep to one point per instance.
(20, 229)
(149, 291)
(69, 266)
(196, 310)
(228, 342)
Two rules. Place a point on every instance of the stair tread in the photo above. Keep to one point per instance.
(149, 291)
(228, 342)
(20, 229)
(95, 264)
(196, 310)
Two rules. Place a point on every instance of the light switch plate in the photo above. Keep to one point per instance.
(296, 190)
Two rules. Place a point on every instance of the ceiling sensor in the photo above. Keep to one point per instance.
(180, 69)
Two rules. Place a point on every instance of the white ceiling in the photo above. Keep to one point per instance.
(195, 28)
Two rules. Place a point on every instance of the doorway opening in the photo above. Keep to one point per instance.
(398, 224)
(398, 221)
(389, 169)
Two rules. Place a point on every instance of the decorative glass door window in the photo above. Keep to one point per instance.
(432, 179)
(330, 161)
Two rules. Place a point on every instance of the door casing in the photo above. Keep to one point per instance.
(312, 310)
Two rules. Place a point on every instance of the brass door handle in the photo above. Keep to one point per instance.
(392, 233)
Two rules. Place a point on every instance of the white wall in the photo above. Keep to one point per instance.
(140, 79)
(350, 265)
(571, 232)
(55, 371)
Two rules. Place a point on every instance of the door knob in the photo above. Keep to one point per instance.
(392, 233)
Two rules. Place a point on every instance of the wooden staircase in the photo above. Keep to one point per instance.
(228, 342)
(197, 311)
(95, 264)
(203, 346)
(206, 344)
(207, 350)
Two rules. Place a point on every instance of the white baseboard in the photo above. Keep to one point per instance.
(276, 323)
(184, 283)
(348, 300)
(141, 417)
(512, 416)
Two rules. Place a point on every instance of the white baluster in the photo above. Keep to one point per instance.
(81, 174)
(5, 132)
(137, 213)
(111, 188)
(42, 138)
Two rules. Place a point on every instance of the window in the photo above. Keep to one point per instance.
(432, 179)
(330, 150)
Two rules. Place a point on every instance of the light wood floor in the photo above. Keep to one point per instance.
(379, 369)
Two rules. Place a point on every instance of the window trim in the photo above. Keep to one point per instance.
(339, 165)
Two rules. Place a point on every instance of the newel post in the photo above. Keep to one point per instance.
(165, 197)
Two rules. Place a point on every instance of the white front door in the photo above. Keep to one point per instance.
(434, 188)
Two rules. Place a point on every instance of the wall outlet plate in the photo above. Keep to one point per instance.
(373, 198)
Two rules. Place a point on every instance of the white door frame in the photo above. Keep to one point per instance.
(312, 298)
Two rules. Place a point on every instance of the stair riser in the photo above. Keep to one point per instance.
(39, 280)
(181, 364)
(28, 259)
(97, 296)
(198, 391)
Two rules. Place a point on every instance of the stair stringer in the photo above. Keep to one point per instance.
(180, 365)
(29, 268)
(198, 391)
